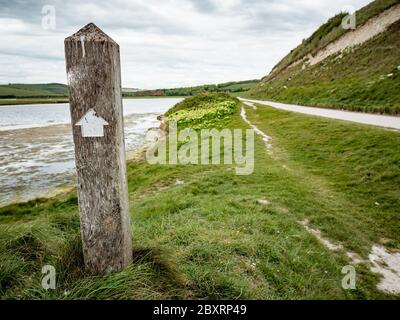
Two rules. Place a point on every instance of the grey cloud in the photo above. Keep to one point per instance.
(30, 54)
(204, 5)
(166, 42)
(25, 10)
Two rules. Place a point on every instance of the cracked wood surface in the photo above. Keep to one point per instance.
(94, 78)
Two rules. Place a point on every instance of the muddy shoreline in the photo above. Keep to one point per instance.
(40, 162)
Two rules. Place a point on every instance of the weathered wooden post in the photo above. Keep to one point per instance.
(94, 78)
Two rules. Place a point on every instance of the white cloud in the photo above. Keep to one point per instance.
(163, 43)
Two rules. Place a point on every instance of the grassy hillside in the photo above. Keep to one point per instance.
(210, 237)
(363, 78)
(331, 31)
(48, 90)
(231, 87)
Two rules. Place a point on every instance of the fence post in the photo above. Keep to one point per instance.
(94, 78)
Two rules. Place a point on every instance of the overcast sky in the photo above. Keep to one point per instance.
(164, 43)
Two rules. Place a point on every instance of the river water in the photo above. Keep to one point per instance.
(37, 151)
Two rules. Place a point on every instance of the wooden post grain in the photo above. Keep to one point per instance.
(94, 78)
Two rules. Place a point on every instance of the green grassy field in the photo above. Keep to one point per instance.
(211, 238)
(233, 87)
(13, 94)
(47, 90)
(7, 102)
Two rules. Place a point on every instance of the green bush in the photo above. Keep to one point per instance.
(203, 111)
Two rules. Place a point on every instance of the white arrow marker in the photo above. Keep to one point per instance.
(92, 125)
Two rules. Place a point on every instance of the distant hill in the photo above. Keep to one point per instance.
(229, 87)
(343, 69)
(58, 90)
(47, 90)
